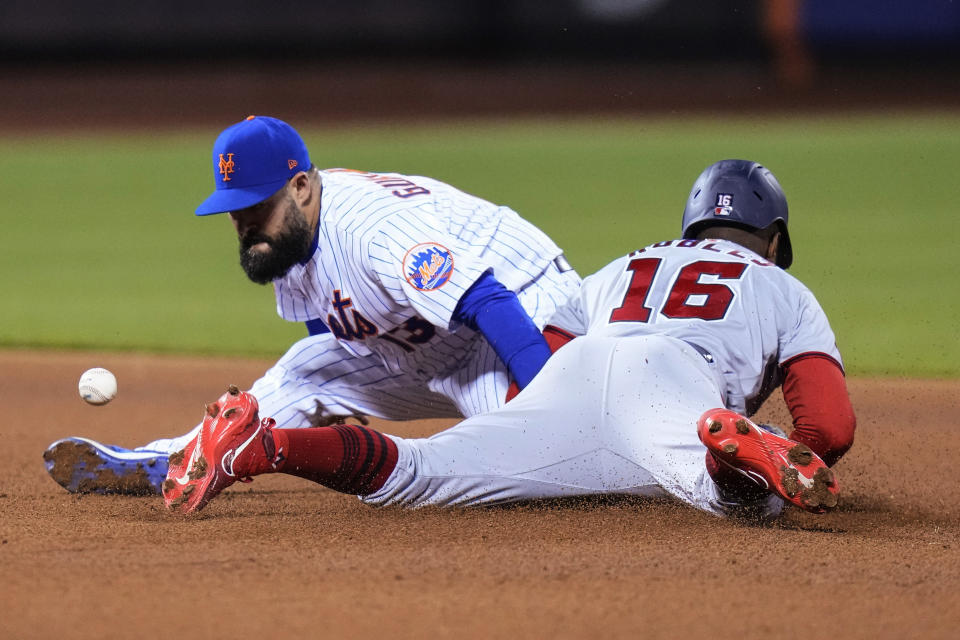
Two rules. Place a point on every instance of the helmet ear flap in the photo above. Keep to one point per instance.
(784, 248)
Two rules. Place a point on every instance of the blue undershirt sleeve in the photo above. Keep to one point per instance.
(493, 310)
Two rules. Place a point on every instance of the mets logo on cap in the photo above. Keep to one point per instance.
(226, 166)
(428, 266)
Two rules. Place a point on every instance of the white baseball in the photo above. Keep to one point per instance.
(98, 386)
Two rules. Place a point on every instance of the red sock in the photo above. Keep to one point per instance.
(345, 457)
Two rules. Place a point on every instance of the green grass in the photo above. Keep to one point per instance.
(101, 249)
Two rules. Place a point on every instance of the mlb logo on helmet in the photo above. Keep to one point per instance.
(428, 266)
(724, 205)
(252, 160)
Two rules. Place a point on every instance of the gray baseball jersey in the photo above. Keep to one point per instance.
(748, 314)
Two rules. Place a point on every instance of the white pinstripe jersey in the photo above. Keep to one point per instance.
(747, 313)
(394, 255)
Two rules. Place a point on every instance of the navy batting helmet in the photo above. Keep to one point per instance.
(738, 193)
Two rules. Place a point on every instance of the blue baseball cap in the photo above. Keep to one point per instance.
(251, 161)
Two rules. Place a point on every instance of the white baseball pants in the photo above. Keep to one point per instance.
(604, 416)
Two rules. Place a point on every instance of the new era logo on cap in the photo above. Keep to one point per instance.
(252, 160)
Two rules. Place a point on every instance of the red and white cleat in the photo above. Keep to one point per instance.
(789, 469)
(231, 445)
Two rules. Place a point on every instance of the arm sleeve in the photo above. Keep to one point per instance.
(556, 338)
(815, 392)
(495, 311)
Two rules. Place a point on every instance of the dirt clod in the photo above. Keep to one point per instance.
(800, 454)
(73, 459)
(68, 456)
(823, 481)
(199, 469)
(790, 481)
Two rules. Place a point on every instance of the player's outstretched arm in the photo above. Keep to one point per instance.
(815, 391)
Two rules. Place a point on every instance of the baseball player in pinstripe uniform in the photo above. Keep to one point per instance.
(660, 357)
(420, 300)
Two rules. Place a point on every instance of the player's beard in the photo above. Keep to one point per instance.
(288, 247)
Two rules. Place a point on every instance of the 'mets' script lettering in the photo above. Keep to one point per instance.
(342, 327)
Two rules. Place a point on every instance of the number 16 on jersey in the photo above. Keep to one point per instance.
(687, 298)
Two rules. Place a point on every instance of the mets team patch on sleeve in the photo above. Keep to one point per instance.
(428, 266)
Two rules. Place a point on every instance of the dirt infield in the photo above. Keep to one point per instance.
(283, 557)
